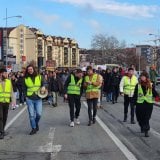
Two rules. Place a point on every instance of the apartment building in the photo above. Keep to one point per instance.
(23, 45)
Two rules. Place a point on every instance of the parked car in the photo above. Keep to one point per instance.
(158, 80)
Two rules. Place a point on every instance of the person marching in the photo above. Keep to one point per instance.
(115, 80)
(92, 85)
(33, 82)
(127, 86)
(72, 92)
(6, 96)
(143, 96)
(55, 87)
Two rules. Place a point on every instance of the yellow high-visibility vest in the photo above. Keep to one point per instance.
(92, 88)
(73, 87)
(33, 87)
(5, 94)
(141, 97)
(129, 85)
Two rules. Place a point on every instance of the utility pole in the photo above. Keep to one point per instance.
(7, 40)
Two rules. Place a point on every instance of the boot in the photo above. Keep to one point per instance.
(132, 120)
(1, 135)
(89, 123)
(125, 118)
(33, 131)
(142, 130)
(146, 134)
(94, 120)
(37, 127)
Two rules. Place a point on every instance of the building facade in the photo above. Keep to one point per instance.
(24, 45)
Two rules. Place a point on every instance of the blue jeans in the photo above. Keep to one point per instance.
(34, 110)
(109, 96)
(53, 97)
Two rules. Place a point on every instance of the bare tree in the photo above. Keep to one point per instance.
(127, 57)
(108, 45)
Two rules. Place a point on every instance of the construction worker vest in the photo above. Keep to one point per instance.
(92, 88)
(73, 87)
(5, 93)
(141, 97)
(33, 87)
(129, 85)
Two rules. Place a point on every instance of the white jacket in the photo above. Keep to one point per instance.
(122, 84)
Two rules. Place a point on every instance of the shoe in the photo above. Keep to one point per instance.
(2, 135)
(94, 120)
(13, 108)
(72, 124)
(20, 104)
(146, 134)
(125, 118)
(49, 103)
(101, 106)
(77, 121)
(17, 105)
(37, 127)
(5, 133)
(53, 105)
(89, 123)
(56, 104)
(98, 107)
(112, 102)
(142, 130)
(33, 131)
(24, 103)
(133, 122)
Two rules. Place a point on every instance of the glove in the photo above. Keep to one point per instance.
(157, 99)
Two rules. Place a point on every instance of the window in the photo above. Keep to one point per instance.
(21, 40)
(74, 56)
(65, 56)
(49, 52)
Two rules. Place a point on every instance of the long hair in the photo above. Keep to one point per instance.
(147, 83)
(34, 71)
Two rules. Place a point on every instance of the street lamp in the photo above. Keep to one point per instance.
(157, 38)
(6, 19)
(138, 53)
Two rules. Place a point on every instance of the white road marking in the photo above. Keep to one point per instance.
(15, 118)
(49, 147)
(128, 154)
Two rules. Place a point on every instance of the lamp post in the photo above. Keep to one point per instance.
(138, 52)
(6, 19)
(157, 38)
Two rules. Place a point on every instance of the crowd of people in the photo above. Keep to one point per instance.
(22, 88)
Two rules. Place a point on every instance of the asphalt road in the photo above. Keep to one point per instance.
(109, 138)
